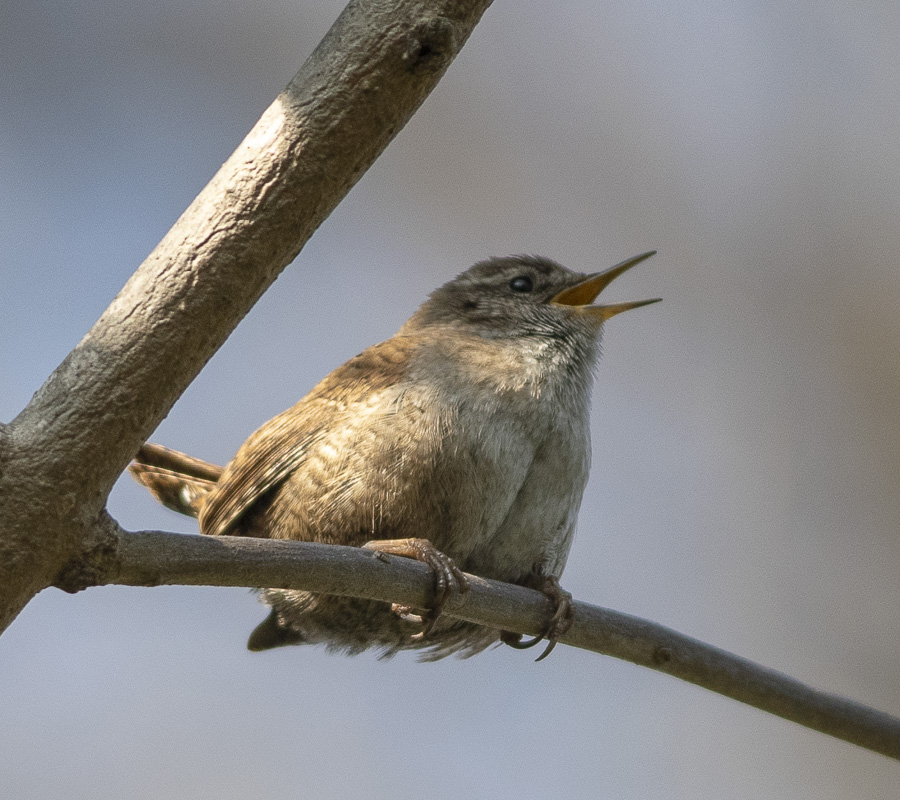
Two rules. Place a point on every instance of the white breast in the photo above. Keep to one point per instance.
(525, 435)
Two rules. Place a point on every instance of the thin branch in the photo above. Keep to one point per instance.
(63, 453)
(152, 558)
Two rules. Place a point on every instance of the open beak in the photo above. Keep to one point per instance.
(584, 293)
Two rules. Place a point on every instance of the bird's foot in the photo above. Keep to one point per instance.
(449, 580)
(562, 619)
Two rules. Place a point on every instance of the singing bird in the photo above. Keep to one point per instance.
(462, 441)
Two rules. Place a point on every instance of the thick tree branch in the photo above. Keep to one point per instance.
(62, 454)
(152, 558)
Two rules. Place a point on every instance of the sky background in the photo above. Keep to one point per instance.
(746, 431)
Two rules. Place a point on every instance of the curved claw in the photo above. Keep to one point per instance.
(514, 640)
(549, 649)
(560, 622)
(449, 580)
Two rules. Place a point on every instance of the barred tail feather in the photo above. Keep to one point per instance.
(177, 480)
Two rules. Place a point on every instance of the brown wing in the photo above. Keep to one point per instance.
(281, 445)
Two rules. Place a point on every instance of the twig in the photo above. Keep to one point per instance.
(152, 558)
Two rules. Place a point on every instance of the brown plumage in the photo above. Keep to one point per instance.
(468, 428)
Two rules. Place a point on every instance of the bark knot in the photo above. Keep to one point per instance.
(431, 45)
(94, 563)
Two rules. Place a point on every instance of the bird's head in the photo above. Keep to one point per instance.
(525, 296)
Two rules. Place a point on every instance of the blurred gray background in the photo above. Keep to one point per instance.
(746, 430)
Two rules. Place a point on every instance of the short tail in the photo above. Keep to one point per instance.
(178, 481)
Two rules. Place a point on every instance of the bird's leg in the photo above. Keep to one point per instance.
(448, 578)
(559, 624)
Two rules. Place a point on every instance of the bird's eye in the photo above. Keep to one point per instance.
(521, 283)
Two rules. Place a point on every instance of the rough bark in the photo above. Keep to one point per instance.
(60, 457)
